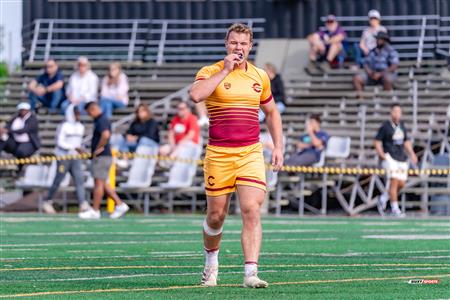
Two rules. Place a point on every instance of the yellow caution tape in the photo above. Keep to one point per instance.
(292, 169)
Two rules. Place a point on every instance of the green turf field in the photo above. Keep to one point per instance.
(160, 257)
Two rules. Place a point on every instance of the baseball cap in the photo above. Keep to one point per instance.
(383, 35)
(330, 18)
(373, 13)
(24, 106)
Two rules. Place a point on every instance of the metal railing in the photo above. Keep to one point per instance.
(139, 39)
(413, 36)
(443, 39)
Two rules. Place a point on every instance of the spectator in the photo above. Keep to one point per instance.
(311, 144)
(183, 129)
(69, 141)
(20, 136)
(82, 87)
(47, 88)
(101, 162)
(393, 147)
(144, 130)
(379, 66)
(368, 41)
(327, 43)
(114, 92)
(277, 88)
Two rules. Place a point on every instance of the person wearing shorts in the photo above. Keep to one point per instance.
(100, 164)
(234, 90)
(380, 66)
(393, 147)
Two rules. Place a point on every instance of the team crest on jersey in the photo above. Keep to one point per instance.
(227, 85)
(256, 87)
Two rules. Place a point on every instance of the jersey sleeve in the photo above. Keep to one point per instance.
(204, 73)
(266, 94)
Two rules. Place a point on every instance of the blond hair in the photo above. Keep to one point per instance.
(240, 28)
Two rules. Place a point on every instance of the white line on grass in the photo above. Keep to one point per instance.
(158, 242)
(183, 287)
(191, 232)
(222, 273)
(200, 254)
(409, 237)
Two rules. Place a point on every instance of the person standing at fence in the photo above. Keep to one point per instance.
(47, 88)
(101, 162)
(69, 141)
(82, 87)
(234, 90)
(393, 146)
(114, 92)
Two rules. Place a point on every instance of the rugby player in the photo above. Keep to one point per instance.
(234, 90)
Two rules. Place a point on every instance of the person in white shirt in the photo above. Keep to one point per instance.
(82, 87)
(20, 136)
(69, 141)
(114, 93)
(368, 40)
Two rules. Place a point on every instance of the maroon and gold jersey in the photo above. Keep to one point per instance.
(233, 106)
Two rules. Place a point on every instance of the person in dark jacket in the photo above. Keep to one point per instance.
(277, 88)
(20, 136)
(144, 130)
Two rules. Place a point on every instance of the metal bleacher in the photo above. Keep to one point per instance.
(165, 74)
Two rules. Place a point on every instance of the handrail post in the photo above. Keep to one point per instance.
(132, 41)
(48, 43)
(415, 106)
(37, 26)
(421, 42)
(162, 42)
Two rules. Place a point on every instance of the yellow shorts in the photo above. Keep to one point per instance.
(226, 167)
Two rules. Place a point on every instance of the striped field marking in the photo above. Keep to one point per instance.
(222, 266)
(169, 288)
(158, 242)
(199, 272)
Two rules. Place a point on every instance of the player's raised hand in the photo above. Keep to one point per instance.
(231, 61)
(277, 159)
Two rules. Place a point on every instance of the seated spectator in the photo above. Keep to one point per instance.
(82, 87)
(114, 92)
(144, 130)
(184, 130)
(20, 136)
(47, 88)
(368, 41)
(311, 144)
(277, 87)
(326, 44)
(379, 66)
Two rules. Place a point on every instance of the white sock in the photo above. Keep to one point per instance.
(250, 268)
(394, 205)
(211, 257)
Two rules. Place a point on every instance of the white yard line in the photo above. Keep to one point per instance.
(186, 254)
(221, 273)
(192, 232)
(409, 237)
(156, 242)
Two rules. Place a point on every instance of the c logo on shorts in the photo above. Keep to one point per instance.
(256, 87)
(227, 85)
(209, 180)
